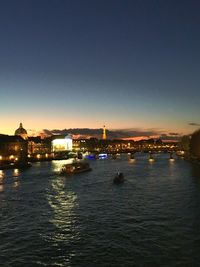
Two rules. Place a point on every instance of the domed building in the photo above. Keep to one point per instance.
(21, 132)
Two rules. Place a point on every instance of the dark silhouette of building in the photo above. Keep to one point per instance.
(39, 147)
(13, 148)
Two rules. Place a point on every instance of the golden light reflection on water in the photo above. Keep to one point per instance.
(16, 183)
(1, 174)
(172, 168)
(1, 187)
(63, 203)
(16, 172)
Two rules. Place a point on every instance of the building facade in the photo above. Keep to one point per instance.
(13, 148)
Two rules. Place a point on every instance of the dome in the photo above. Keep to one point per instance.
(21, 131)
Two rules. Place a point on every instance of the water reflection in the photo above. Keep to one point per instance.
(16, 172)
(86, 221)
(172, 168)
(63, 203)
(131, 160)
(1, 187)
(16, 184)
(2, 174)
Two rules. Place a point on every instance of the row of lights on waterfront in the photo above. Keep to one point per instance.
(12, 157)
(39, 156)
(151, 159)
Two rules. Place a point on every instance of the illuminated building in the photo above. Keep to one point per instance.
(61, 145)
(104, 133)
(13, 148)
(21, 132)
(39, 146)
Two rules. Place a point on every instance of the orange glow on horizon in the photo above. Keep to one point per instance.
(35, 125)
(139, 138)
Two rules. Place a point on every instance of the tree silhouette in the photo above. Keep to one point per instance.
(195, 144)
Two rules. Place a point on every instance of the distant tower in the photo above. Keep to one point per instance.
(104, 132)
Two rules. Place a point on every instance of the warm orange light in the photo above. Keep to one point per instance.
(1, 174)
(38, 156)
(11, 157)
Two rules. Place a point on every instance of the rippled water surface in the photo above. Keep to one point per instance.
(153, 219)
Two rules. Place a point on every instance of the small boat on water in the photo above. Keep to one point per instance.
(151, 158)
(75, 167)
(103, 156)
(171, 158)
(119, 178)
(132, 156)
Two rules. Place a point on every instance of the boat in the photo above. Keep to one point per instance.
(132, 156)
(103, 156)
(75, 167)
(151, 157)
(171, 158)
(119, 178)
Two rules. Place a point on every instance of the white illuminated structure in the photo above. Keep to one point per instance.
(62, 144)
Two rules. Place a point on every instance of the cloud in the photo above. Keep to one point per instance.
(174, 134)
(193, 124)
(112, 134)
(135, 134)
(170, 137)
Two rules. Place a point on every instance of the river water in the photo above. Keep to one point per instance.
(153, 219)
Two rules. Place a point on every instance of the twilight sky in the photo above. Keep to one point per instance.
(79, 63)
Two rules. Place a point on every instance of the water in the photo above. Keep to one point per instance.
(153, 219)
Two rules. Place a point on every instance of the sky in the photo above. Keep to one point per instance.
(82, 64)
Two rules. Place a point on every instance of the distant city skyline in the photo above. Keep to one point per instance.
(135, 134)
(83, 64)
